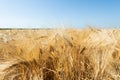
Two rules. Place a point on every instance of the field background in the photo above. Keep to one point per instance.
(60, 54)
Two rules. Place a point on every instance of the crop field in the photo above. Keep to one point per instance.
(60, 54)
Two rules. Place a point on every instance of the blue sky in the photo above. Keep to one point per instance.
(59, 13)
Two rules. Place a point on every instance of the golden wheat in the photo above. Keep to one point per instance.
(66, 54)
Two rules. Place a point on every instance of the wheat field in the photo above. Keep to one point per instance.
(60, 54)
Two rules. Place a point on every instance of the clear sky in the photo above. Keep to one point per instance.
(57, 13)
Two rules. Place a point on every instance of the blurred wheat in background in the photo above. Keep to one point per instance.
(66, 54)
